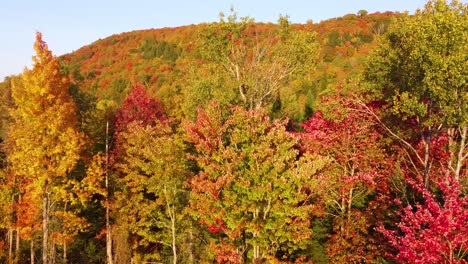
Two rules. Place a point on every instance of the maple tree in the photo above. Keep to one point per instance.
(252, 186)
(359, 164)
(434, 230)
(138, 107)
(45, 143)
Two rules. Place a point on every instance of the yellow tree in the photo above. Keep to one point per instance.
(43, 135)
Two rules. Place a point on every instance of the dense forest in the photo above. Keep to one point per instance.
(343, 141)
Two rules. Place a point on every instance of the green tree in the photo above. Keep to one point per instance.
(255, 63)
(362, 13)
(420, 68)
(153, 196)
(45, 144)
(253, 189)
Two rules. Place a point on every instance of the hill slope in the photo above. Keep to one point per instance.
(160, 58)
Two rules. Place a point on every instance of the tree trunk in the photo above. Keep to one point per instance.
(172, 216)
(45, 223)
(10, 245)
(52, 252)
(108, 226)
(174, 248)
(65, 240)
(427, 158)
(64, 252)
(108, 241)
(462, 155)
(31, 250)
(17, 248)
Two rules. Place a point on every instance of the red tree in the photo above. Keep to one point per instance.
(433, 231)
(359, 170)
(138, 106)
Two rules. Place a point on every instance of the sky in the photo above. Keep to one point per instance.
(67, 25)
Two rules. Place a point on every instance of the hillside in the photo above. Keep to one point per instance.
(161, 58)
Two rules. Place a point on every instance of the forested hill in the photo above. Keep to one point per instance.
(344, 141)
(163, 60)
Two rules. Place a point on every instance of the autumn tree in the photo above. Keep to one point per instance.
(253, 190)
(348, 135)
(8, 190)
(420, 70)
(252, 62)
(6, 213)
(45, 143)
(434, 230)
(138, 107)
(153, 196)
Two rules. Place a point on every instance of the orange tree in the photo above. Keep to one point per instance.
(45, 143)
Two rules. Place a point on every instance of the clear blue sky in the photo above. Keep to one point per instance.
(68, 25)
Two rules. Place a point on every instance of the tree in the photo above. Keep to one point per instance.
(420, 70)
(362, 13)
(433, 231)
(153, 196)
(357, 171)
(139, 108)
(256, 62)
(253, 190)
(45, 143)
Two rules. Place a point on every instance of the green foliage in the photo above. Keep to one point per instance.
(256, 62)
(152, 48)
(153, 198)
(421, 66)
(251, 185)
(207, 83)
(362, 13)
(420, 70)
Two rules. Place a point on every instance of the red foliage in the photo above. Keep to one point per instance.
(138, 107)
(359, 169)
(353, 140)
(432, 232)
(218, 227)
(225, 253)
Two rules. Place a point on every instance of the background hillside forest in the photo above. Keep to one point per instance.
(343, 141)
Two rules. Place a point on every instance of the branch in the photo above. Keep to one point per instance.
(389, 131)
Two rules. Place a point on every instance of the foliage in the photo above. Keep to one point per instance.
(433, 231)
(153, 48)
(420, 70)
(257, 63)
(43, 140)
(252, 186)
(137, 107)
(153, 197)
(247, 184)
(358, 166)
